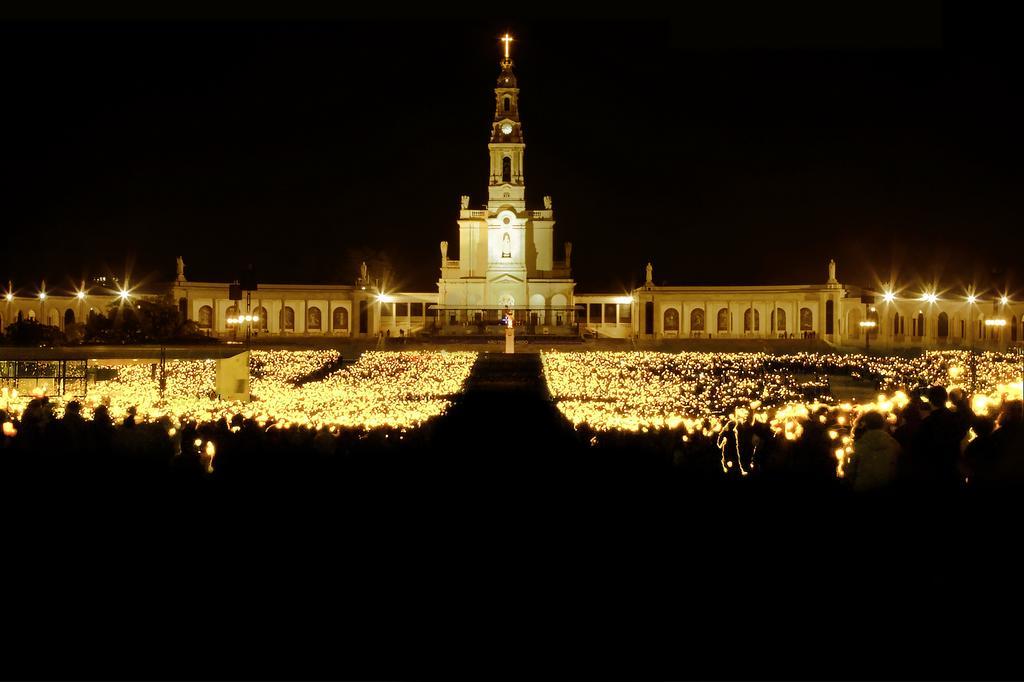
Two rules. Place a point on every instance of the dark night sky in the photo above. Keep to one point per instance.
(299, 146)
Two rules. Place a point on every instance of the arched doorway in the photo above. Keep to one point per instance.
(340, 319)
(697, 320)
(537, 305)
(756, 314)
(942, 327)
(205, 316)
(314, 319)
(723, 321)
(559, 304)
(671, 321)
(779, 321)
(853, 320)
(69, 317)
(806, 321)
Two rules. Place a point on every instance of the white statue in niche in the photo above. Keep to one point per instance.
(506, 246)
(547, 201)
(465, 201)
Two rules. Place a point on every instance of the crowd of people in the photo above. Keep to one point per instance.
(936, 442)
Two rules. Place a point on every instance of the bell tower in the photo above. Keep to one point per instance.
(506, 187)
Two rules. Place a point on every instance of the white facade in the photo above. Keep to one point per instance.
(506, 254)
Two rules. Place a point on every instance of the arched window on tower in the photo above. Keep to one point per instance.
(506, 169)
(507, 103)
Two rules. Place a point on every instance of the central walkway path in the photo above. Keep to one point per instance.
(505, 420)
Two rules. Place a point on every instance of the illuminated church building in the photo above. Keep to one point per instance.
(507, 260)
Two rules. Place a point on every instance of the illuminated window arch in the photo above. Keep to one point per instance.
(853, 323)
(806, 320)
(671, 320)
(205, 317)
(697, 320)
(232, 311)
(288, 319)
(943, 325)
(779, 320)
(507, 103)
(723, 320)
(746, 320)
(314, 319)
(262, 319)
(340, 319)
(506, 169)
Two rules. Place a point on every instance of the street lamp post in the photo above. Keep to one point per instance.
(971, 299)
(866, 326)
(247, 320)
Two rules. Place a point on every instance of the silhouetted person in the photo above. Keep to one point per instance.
(875, 454)
(1008, 444)
(979, 460)
(910, 420)
(935, 449)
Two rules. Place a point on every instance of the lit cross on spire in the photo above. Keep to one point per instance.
(506, 39)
